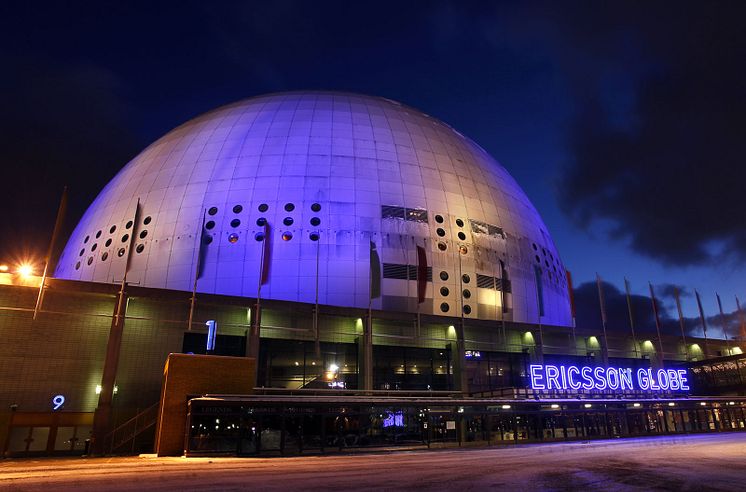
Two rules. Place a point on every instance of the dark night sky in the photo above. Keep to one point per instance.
(625, 122)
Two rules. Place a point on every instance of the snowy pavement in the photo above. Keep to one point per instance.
(684, 462)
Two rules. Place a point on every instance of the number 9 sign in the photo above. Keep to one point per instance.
(58, 401)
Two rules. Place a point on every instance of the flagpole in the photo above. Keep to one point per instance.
(681, 321)
(602, 305)
(631, 317)
(703, 321)
(537, 279)
(571, 296)
(722, 322)
(255, 337)
(657, 322)
(200, 240)
(317, 343)
(50, 251)
(742, 330)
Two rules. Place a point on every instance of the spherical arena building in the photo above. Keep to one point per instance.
(326, 270)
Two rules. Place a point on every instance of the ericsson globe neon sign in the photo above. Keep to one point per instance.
(551, 377)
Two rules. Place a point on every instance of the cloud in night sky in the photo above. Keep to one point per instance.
(658, 160)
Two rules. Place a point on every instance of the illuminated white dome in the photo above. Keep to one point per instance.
(344, 169)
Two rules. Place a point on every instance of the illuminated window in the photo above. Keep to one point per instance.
(233, 238)
(287, 236)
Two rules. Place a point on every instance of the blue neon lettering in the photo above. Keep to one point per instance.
(587, 379)
(570, 381)
(683, 379)
(642, 379)
(536, 377)
(625, 379)
(653, 384)
(663, 381)
(600, 379)
(673, 380)
(612, 382)
(552, 374)
(563, 375)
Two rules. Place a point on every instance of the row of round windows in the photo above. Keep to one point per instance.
(143, 234)
(262, 221)
(113, 228)
(445, 307)
(237, 209)
(441, 232)
(105, 255)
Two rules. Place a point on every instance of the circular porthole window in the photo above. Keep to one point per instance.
(467, 293)
(287, 236)
(444, 307)
(534, 245)
(289, 207)
(536, 257)
(315, 207)
(263, 207)
(104, 256)
(440, 232)
(235, 223)
(465, 278)
(439, 219)
(237, 209)
(444, 276)
(463, 250)
(210, 224)
(459, 222)
(125, 238)
(259, 236)
(444, 291)
(467, 309)
(147, 220)
(98, 234)
(140, 248)
(442, 246)
(112, 229)
(128, 225)
(233, 238)
(143, 234)
(120, 253)
(108, 243)
(315, 221)
(314, 236)
(81, 252)
(261, 221)
(206, 239)
(212, 211)
(85, 241)
(90, 260)
(93, 248)
(462, 236)
(77, 266)
(288, 221)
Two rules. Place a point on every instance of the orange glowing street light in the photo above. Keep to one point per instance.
(25, 270)
(4, 268)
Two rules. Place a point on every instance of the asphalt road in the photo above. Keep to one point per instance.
(695, 462)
